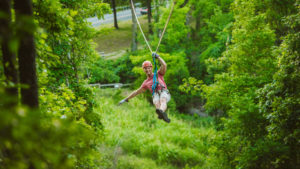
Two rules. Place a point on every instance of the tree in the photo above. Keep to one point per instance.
(156, 14)
(9, 57)
(184, 3)
(62, 44)
(260, 128)
(26, 52)
(280, 100)
(149, 13)
(213, 20)
(134, 29)
(115, 13)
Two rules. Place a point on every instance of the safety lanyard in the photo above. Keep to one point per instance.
(155, 79)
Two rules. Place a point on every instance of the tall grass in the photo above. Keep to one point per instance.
(138, 139)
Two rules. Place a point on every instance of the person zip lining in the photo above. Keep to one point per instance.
(156, 85)
(155, 81)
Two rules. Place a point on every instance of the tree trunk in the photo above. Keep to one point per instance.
(184, 3)
(26, 53)
(198, 20)
(187, 22)
(9, 58)
(149, 16)
(115, 14)
(74, 67)
(156, 16)
(134, 31)
(197, 27)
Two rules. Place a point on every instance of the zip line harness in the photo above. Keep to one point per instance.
(155, 77)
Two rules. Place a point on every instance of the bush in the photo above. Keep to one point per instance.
(35, 139)
(279, 103)
(123, 68)
(102, 71)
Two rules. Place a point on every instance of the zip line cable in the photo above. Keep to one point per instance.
(165, 27)
(133, 9)
(142, 29)
(155, 78)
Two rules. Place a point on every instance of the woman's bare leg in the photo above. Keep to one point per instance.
(157, 104)
(163, 104)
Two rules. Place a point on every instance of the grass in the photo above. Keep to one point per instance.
(137, 139)
(110, 40)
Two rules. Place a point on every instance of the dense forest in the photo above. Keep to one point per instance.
(233, 71)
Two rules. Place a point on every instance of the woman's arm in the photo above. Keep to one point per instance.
(136, 92)
(133, 94)
(163, 65)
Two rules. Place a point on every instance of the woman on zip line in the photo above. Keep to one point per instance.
(156, 86)
(155, 81)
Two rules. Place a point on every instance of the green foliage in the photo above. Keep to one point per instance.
(132, 162)
(61, 103)
(52, 137)
(211, 33)
(111, 71)
(176, 31)
(260, 113)
(65, 50)
(34, 139)
(65, 39)
(102, 71)
(191, 86)
(280, 101)
(124, 68)
(251, 63)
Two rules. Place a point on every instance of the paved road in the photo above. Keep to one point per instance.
(109, 18)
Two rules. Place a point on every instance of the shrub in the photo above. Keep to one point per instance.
(37, 139)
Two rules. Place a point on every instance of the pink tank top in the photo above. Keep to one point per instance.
(147, 84)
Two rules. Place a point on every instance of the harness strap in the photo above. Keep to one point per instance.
(155, 79)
